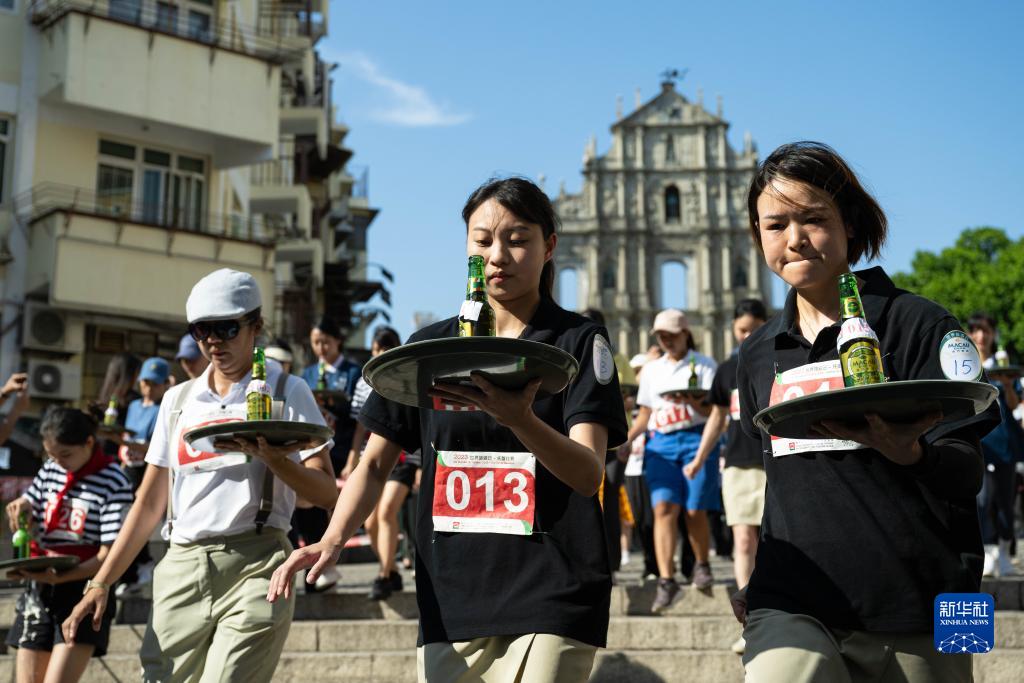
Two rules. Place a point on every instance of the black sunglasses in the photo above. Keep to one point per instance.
(225, 330)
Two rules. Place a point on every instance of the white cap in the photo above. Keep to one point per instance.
(222, 295)
(279, 354)
(670, 320)
(638, 361)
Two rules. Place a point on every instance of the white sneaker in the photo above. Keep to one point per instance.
(990, 560)
(624, 559)
(1003, 562)
(328, 579)
(740, 646)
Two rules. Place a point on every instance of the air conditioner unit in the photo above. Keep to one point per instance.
(47, 379)
(48, 329)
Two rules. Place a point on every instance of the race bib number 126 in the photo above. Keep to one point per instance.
(484, 492)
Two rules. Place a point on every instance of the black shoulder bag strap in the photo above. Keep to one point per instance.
(267, 495)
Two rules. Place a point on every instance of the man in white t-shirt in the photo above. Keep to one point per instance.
(230, 506)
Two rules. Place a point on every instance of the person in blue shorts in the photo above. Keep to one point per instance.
(674, 427)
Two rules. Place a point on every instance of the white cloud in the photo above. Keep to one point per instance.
(405, 105)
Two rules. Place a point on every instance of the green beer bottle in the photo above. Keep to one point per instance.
(476, 319)
(694, 380)
(110, 414)
(258, 400)
(22, 539)
(1002, 358)
(859, 353)
(321, 378)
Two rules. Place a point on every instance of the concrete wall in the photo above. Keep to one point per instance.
(130, 72)
(99, 265)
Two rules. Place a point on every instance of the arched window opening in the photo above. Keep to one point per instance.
(568, 289)
(671, 204)
(673, 286)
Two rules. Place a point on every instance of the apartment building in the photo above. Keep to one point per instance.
(145, 143)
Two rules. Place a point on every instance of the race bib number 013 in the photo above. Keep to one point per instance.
(802, 381)
(484, 492)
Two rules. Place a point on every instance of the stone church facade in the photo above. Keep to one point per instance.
(670, 190)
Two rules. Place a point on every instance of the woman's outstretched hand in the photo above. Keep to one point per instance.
(320, 556)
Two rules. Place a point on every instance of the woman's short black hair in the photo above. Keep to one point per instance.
(979, 318)
(525, 200)
(754, 307)
(821, 167)
(386, 338)
(594, 315)
(328, 326)
(67, 426)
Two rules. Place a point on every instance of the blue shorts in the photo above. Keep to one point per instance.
(664, 457)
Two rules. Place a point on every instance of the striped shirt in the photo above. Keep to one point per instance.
(93, 509)
(359, 396)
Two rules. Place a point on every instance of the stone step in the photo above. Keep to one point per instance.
(611, 666)
(696, 633)
(352, 604)
(629, 600)
(382, 635)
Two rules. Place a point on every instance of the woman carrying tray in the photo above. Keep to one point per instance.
(673, 428)
(528, 599)
(864, 526)
(228, 510)
(1003, 448)
(75, 506)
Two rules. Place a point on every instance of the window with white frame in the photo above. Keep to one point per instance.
(150, 185)
(8, 5)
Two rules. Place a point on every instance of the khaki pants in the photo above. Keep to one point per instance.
(796, 648)
(531, 658)
(210, 619)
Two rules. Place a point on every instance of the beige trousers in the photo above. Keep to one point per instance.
(531, 658)
(210, 619)
(796, 648)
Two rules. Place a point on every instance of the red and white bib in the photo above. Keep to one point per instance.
(66, 523)
(485, 492)
(191, 459)
(807, 379)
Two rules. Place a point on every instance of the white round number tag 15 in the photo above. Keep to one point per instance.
(959, 357)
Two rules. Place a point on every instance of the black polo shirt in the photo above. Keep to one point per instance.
(740, 449)
(555, 580)
(848, 536)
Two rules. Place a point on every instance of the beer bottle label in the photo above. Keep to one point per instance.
(851, 307)
(861, 364)
(258, 401)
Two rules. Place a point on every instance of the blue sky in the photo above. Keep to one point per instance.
(925, 99)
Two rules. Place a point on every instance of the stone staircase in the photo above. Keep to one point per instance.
(343, 636)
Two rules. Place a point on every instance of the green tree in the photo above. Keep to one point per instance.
(983, 271)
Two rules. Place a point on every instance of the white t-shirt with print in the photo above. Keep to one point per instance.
(663, 374)
(224, 501)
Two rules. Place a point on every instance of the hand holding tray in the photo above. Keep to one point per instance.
(407, 373)
(903, 401)
(999, 372)
(35, 564)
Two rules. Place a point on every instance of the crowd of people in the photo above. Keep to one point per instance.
(839, 543)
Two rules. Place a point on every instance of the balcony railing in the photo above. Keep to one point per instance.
(274, 172)
(299, 18)
(172, 20)
(46, 199)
